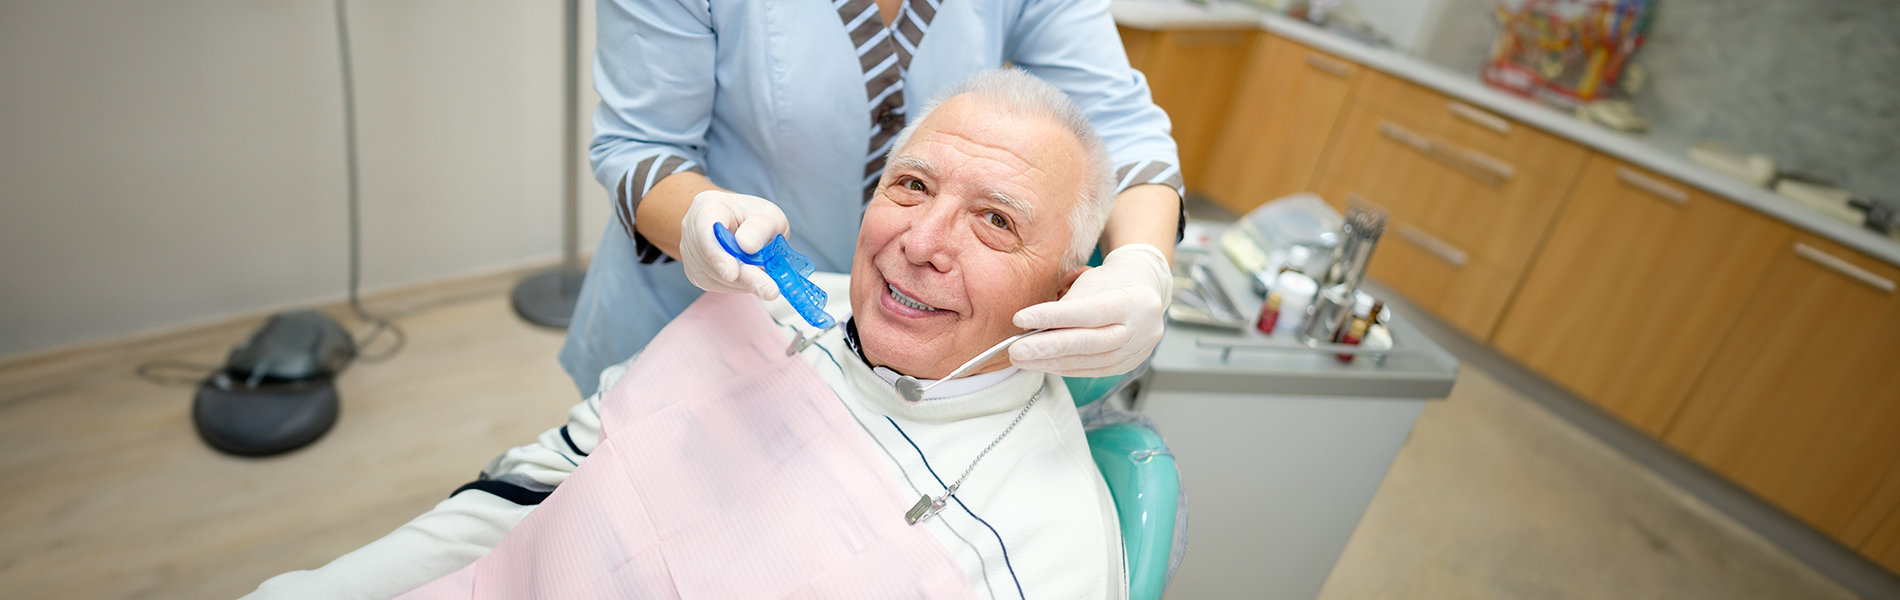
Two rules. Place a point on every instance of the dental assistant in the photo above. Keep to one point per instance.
(776, 118)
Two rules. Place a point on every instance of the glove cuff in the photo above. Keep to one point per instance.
(1150, 257)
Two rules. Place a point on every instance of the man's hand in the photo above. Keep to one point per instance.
(1107, 324)
(754, 221)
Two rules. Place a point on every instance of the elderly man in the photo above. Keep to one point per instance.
(990, 204)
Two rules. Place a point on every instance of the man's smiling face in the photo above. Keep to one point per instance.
(969, 225)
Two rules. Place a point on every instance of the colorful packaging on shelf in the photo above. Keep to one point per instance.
(1565, 52)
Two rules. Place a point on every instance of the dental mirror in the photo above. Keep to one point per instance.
(911, 390)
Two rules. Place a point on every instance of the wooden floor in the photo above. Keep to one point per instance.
(110, 494)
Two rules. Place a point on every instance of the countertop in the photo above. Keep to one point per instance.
(1189, 357)
(1662, 156)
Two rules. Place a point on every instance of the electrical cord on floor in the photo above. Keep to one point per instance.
(192, 373)
(186, 373)
(155, 371)
(379, 324)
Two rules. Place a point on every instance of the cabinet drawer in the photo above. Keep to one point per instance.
(1465, 125)
(1397, 99)
(1802, 400)
(1464, 290)
(1638, 281)
(1403, 166)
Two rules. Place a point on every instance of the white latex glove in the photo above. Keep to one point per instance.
(1108, 322)
(754, 221)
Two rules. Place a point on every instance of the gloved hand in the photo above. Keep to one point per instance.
(754, 221)
(1108, 322)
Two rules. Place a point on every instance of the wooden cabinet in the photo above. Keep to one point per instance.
(1192, 76)
(1637, 282)
(1768, 354)
(1801, 403)
(1279, 124)
(1884, 545)
(1462, 289)
(1470, 203)
(1137, 43)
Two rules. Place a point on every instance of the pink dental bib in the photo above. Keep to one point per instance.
(725, 470)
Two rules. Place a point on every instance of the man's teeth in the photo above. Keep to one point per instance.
(909, 301)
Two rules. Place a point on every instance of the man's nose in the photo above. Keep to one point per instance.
(932, 238)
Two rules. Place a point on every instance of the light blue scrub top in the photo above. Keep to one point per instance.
(769, 98)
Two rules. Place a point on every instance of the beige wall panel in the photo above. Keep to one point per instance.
(178, 162)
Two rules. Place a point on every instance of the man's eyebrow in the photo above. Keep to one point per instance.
(915, 163)
(1028, 211)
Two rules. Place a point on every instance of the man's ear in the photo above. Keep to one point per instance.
(1068, 279)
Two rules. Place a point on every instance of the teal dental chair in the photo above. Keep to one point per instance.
(1145, 485)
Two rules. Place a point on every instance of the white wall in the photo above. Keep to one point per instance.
(169, 162)
(1409, 23)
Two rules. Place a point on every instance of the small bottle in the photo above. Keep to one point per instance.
(1270, 309)
(1269, 313)
(1356, 333)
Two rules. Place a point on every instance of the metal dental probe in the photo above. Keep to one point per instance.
(911, 391)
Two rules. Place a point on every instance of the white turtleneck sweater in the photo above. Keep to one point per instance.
(1033, 520)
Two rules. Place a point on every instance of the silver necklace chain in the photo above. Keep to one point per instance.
(927, 506)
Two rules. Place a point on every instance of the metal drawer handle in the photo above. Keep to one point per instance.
(1446, 252)
(1227, 346)
(1649, 184)
(1496, 168)
(1843, 267)
(1328, 64)
(1483, 119)
(1416, 141)
(1495, 171)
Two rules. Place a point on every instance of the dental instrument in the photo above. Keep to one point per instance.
(788, 269)
(911, 390)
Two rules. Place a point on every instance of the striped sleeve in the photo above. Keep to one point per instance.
(1157, 172)
(634, 186)
(654, 68)
(1148, 171)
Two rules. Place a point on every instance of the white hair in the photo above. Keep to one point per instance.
(1018, 92)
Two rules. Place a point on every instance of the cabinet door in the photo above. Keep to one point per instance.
(1278, 124)
(1884, 545)
(1638, 279)
(1192, 76)
(1801, 403)
(1875, 530)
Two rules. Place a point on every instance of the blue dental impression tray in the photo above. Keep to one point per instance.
(786, 267)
